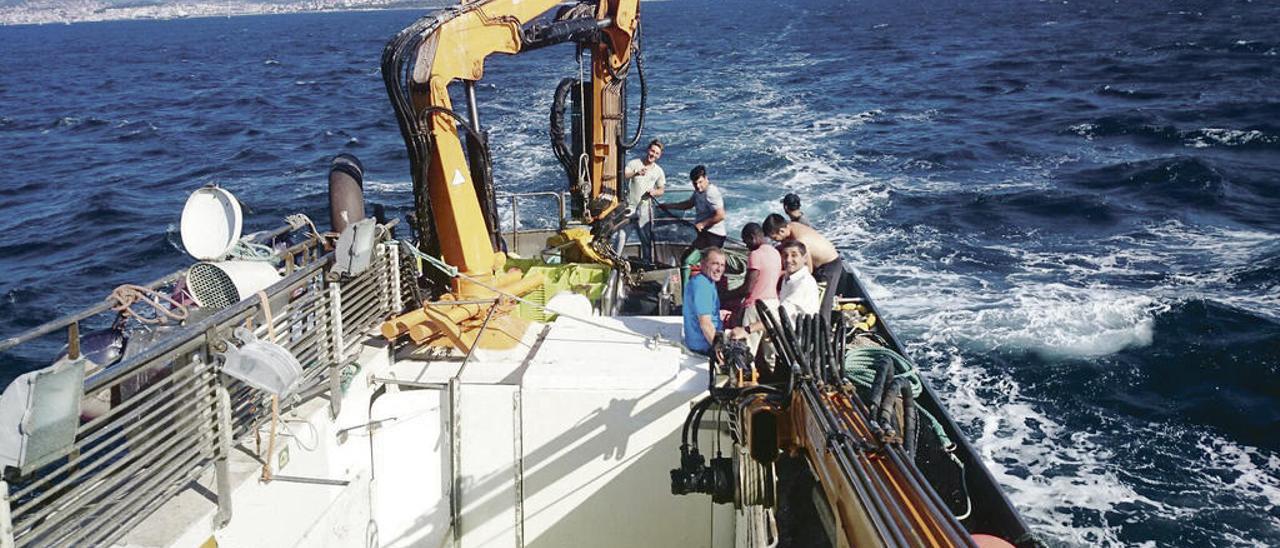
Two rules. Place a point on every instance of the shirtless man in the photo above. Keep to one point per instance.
(824, 260)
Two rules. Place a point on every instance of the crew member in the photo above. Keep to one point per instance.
(824, 260)
(708, 205)
(764, 269)
(702, 303)
(645, 180)
(799, 295)
(791, 206)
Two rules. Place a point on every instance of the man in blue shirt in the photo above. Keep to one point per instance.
(702, 303)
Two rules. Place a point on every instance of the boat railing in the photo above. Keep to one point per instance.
(672, 225)
(170, 415)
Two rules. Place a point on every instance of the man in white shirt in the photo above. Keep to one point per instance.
(645, 180)
(799, 294)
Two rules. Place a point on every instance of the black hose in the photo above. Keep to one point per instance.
(911, 426)
(688, 420)
(557, 128)
(485, 196)
(638, 54)
(396, 60)
(775, 335)
(891, 397)
(829, 371)
(883, 367)
(789, 338)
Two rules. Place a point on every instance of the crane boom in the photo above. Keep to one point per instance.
(452, 46)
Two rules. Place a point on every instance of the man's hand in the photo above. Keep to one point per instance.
(725, 315)
(642, 170)
(737, 333)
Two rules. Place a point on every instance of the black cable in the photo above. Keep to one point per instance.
(638, 55)
(557, 127)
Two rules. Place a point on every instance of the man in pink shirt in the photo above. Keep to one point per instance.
(764, 269)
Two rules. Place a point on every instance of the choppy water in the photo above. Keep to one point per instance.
(1070, 208)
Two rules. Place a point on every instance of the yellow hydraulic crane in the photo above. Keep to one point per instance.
(455, 211)
(454, 48)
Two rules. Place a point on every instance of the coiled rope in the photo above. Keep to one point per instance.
(128, 295)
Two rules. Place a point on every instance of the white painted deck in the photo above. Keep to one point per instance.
(564, 441)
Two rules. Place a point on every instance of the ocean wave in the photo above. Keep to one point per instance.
(1148, 128)
(1183, 181)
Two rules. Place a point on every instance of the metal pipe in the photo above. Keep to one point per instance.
(413, 384)
(88, 431)
(472, 112)
(857, 477)
(96, 446)
(109, 536)
(151, 438)
(44, 512)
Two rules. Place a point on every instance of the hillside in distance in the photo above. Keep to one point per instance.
(26, 12)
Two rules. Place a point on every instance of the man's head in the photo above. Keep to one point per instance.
(791, 205)
(713, 263)
(699, 177)
(753, 235)
(794, 256)
(777, 227)
(655, 151)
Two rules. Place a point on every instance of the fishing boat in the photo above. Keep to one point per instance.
(472, 384)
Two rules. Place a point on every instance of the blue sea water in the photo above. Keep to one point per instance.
(1068, 208)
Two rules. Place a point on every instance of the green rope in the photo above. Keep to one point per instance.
(859, 367)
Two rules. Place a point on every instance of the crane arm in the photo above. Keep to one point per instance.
(422, 62)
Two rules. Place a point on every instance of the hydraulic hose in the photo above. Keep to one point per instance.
(644, 91)
(557, 127)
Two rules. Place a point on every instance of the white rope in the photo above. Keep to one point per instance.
(299, 220)
(249, 251)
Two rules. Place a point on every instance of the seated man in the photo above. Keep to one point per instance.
(799, 295)
(702, 303)
(824, 260)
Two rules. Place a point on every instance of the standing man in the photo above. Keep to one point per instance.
(823, 257)
(791, 206)
(702, 303)
(645, 180)
(708, 205)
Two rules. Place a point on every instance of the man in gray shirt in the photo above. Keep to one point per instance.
(645, 180)
(708, 205)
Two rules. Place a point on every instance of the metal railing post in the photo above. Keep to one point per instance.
(6, 517)
(393, 260)
(221, 468)
(339, 350)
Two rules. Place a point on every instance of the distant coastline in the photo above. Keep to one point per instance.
(53, 13)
